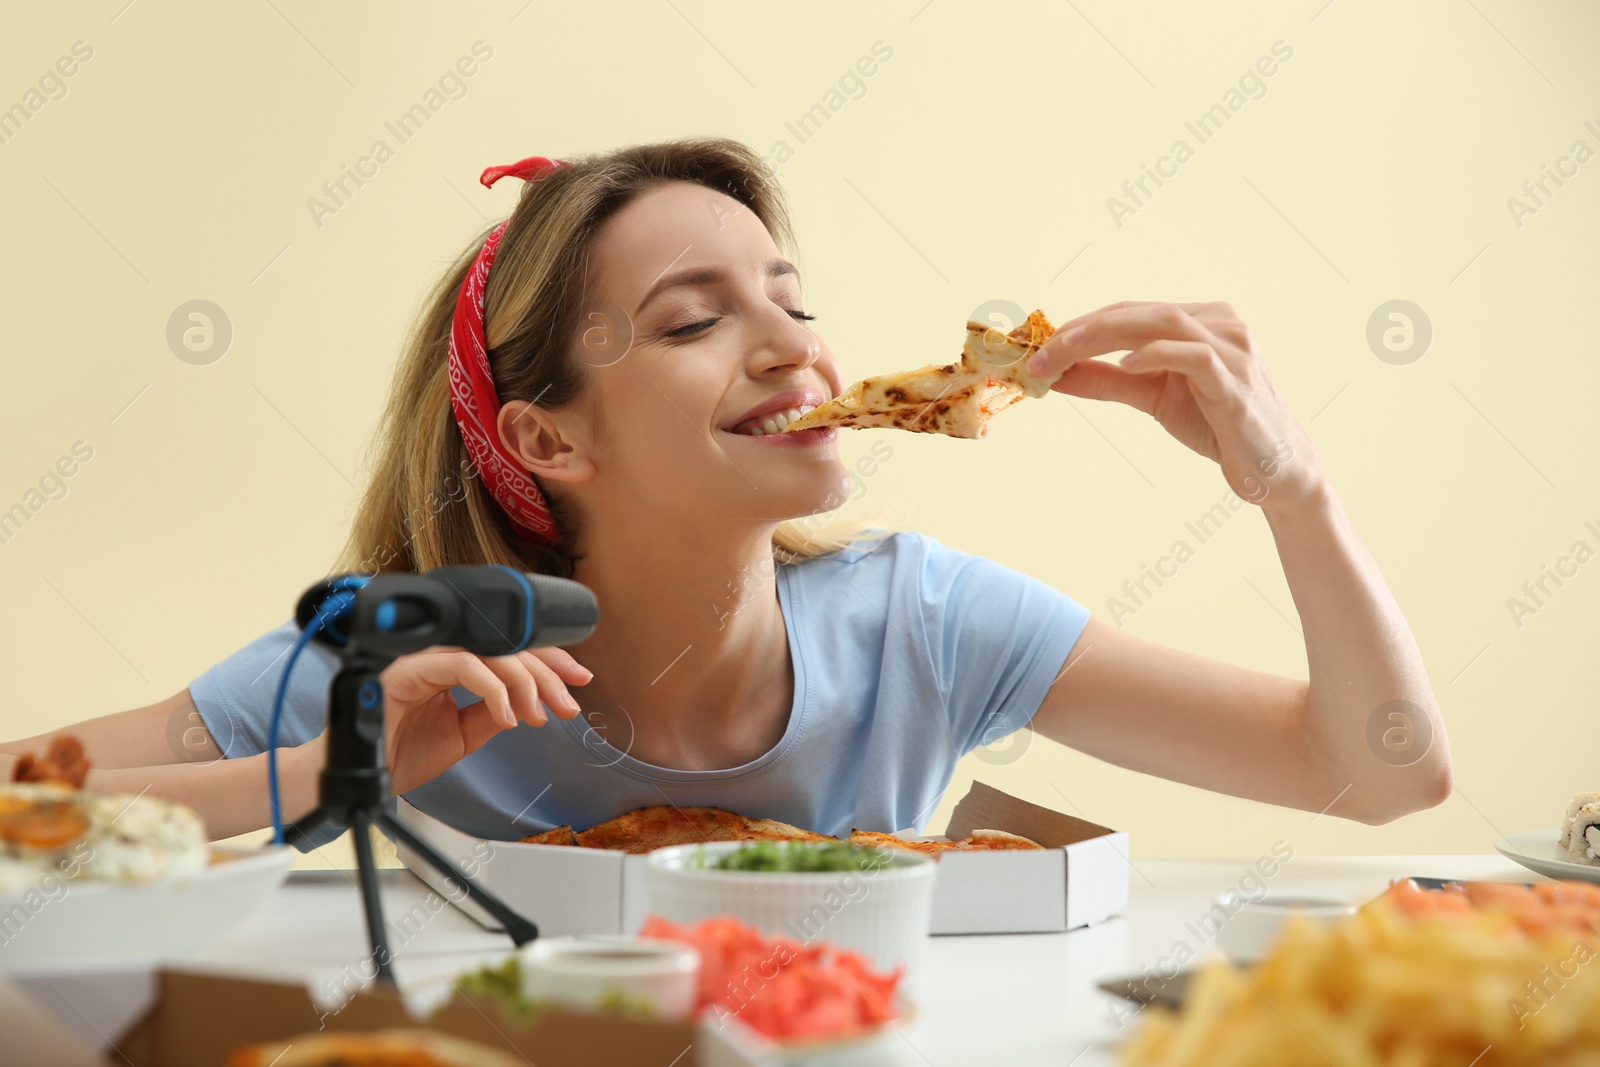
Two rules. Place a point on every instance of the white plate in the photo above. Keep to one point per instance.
(1539, 850)
(864, 1048)
(89, 924)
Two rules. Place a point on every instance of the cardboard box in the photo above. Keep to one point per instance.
(1081, 877)
(175, 1018)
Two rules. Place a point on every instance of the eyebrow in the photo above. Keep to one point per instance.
(775, 268)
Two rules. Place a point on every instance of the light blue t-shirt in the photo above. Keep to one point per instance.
(907, 655)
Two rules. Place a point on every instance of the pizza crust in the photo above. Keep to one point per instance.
(560, 835)
(647, 829)
(980, 841)
(997, 839)
(408, 1046)
(955, 399)
(663, 825)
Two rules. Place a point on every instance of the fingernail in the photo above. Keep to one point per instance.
(1038, 361)
(569, 701)
(1130, 359)
(1073, 336)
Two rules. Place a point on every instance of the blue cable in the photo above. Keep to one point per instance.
(333, 608)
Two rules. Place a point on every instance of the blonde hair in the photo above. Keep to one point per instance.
(425, 507)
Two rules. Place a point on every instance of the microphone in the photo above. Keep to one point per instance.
(490, 610)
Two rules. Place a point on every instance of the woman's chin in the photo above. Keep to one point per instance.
(830, 494)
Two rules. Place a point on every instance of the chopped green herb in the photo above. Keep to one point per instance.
(795, 856)
(622, 1002)
(503, 985)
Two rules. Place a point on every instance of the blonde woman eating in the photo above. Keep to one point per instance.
(595, 390)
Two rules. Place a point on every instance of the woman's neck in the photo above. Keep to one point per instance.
(692, 647)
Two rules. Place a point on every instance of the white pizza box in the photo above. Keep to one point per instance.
(564, 890)
(1079, 878)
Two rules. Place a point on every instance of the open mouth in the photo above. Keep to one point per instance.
(770, 423)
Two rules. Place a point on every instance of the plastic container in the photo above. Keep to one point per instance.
(883, 912)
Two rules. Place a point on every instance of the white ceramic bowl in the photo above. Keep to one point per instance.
(1253, 925)
(884, 913)
(585, 972)
(84, 923)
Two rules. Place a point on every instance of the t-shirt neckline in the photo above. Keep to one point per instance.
(600, 752)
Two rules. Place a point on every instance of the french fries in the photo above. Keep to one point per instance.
(1384, 989)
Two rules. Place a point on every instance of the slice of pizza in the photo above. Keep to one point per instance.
(984, 840)
(874, 839)
(646, 829)
(980, 841)
(398, 1047)
(560, 835)
(955, 399)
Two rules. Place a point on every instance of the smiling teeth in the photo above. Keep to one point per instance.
(777, 421)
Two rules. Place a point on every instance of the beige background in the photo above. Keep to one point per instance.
(976, 166)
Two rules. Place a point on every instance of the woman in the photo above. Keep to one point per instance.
(642, 329)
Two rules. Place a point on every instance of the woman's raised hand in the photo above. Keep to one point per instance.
(426, 734)
(1195, 369)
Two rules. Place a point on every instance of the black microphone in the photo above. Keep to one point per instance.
(490, 610)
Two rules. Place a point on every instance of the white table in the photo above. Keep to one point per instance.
(1017, 999)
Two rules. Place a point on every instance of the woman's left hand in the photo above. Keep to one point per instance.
(1195, 369)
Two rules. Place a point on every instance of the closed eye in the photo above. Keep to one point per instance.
(696, 328)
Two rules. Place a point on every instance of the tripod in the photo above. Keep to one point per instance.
(353, 789)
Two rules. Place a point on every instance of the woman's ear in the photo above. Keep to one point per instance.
(549, 444)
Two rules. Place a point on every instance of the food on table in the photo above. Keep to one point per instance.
(63, 762)
(656, 827)
(797, 857)
(40, 819)
(647, 829)
(980, 841)
(1580, 829)
(51, 828)
(780, 987)
(1540, 908)
(956, 399)
(396, 1047)
(1484, 973)
(560, 835)
(503, 983)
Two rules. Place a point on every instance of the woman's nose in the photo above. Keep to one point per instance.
(792, 345)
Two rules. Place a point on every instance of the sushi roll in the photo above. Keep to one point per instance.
(1572, 809)
(1580, 829)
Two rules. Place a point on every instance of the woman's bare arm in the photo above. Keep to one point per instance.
(1310, 745)
(230, 794)
(165, 750)
(426, 735)
(166, 732)
(1363, 738)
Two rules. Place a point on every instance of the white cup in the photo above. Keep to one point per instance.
(1253, 925)
(590, 972)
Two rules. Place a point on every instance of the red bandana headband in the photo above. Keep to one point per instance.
(472, 392)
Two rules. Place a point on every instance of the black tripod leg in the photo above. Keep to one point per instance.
(360, 828)
(520, 930)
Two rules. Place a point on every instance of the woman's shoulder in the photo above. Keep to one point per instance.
(873, 546)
